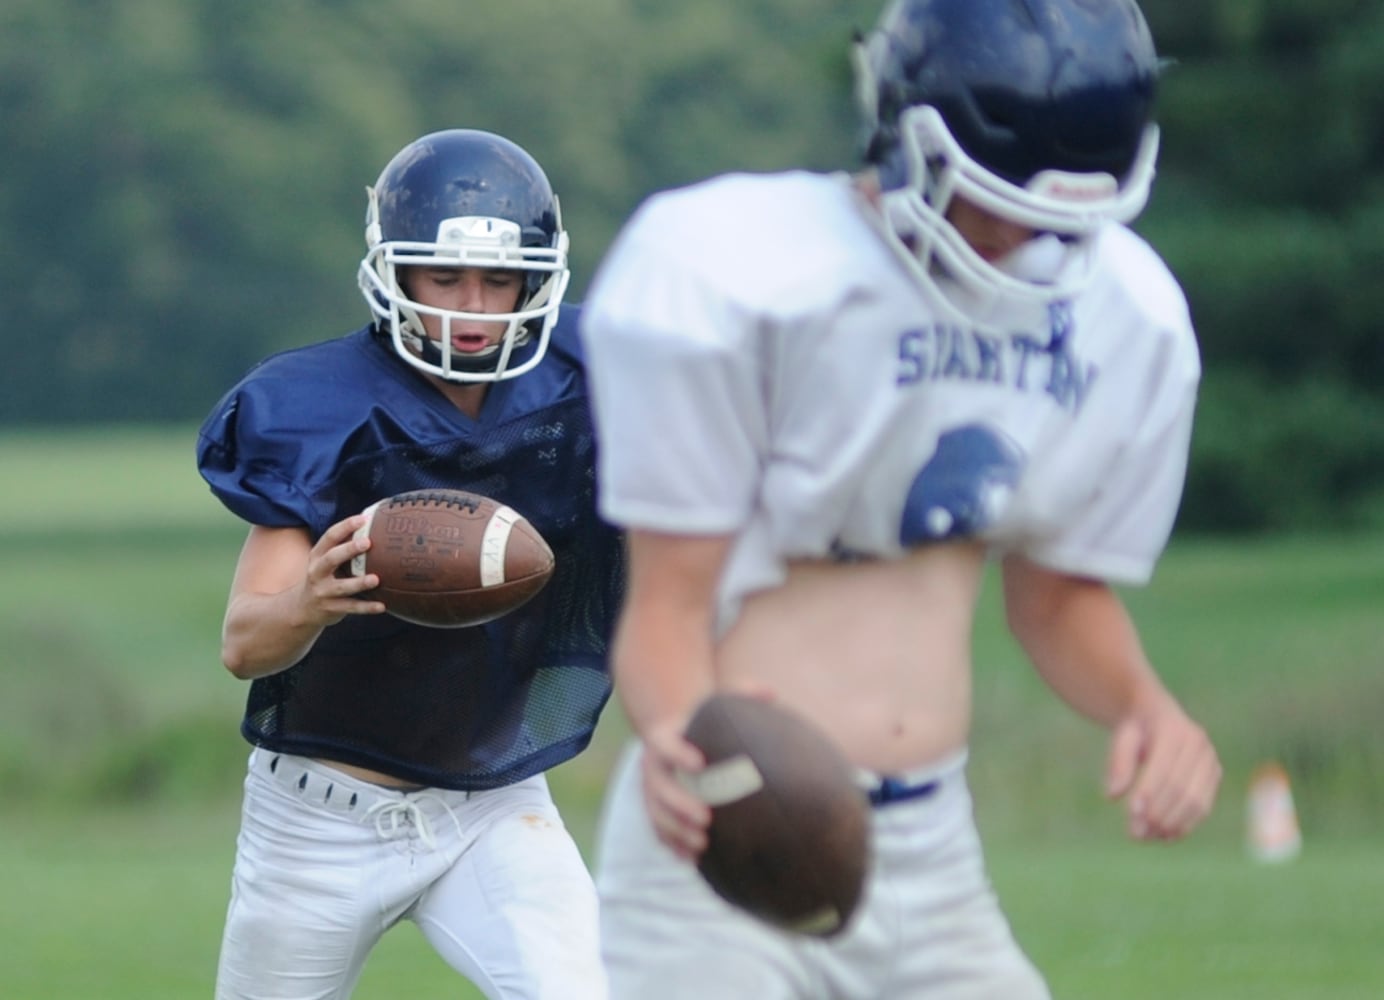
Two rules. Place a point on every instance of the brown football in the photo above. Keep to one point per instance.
(450, 559)
(789, 838)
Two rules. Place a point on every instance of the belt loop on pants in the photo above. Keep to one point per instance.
(890, 789)
(921, 783)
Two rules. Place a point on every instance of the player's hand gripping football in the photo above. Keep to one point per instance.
(679, 817)
(285, 592)
(1165, 768)
(329, 593)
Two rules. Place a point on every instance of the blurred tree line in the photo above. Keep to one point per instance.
(183, 189)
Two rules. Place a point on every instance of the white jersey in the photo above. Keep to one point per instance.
(764, 363)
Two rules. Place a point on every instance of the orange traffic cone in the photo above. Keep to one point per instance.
(1272, 833)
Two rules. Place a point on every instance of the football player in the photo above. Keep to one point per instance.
(824, 403)
(398, 770)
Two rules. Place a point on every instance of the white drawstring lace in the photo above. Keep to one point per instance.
(393, 817)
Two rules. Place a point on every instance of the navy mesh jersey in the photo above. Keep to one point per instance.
(313, 435)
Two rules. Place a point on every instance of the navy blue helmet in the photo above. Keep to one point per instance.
(465, 198)
(1037, 111)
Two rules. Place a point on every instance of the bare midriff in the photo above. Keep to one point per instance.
(877, 653)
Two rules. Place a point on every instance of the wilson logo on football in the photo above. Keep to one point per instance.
(399, 524)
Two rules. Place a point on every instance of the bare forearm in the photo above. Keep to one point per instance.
(286, 591)
(664, 646)
(265, 633)
(1082, 641)
(662, 672)
(664, 668)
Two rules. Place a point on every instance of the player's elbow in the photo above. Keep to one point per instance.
(233, 658)
(244, 659)
(253, 643)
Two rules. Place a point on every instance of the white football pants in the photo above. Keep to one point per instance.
(929, 926)
(326, 863)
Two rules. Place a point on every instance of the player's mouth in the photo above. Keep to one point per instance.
(470, 343)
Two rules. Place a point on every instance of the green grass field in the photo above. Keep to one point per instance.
(120, 763)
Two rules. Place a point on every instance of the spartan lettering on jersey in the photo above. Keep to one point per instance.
(1021, 360)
